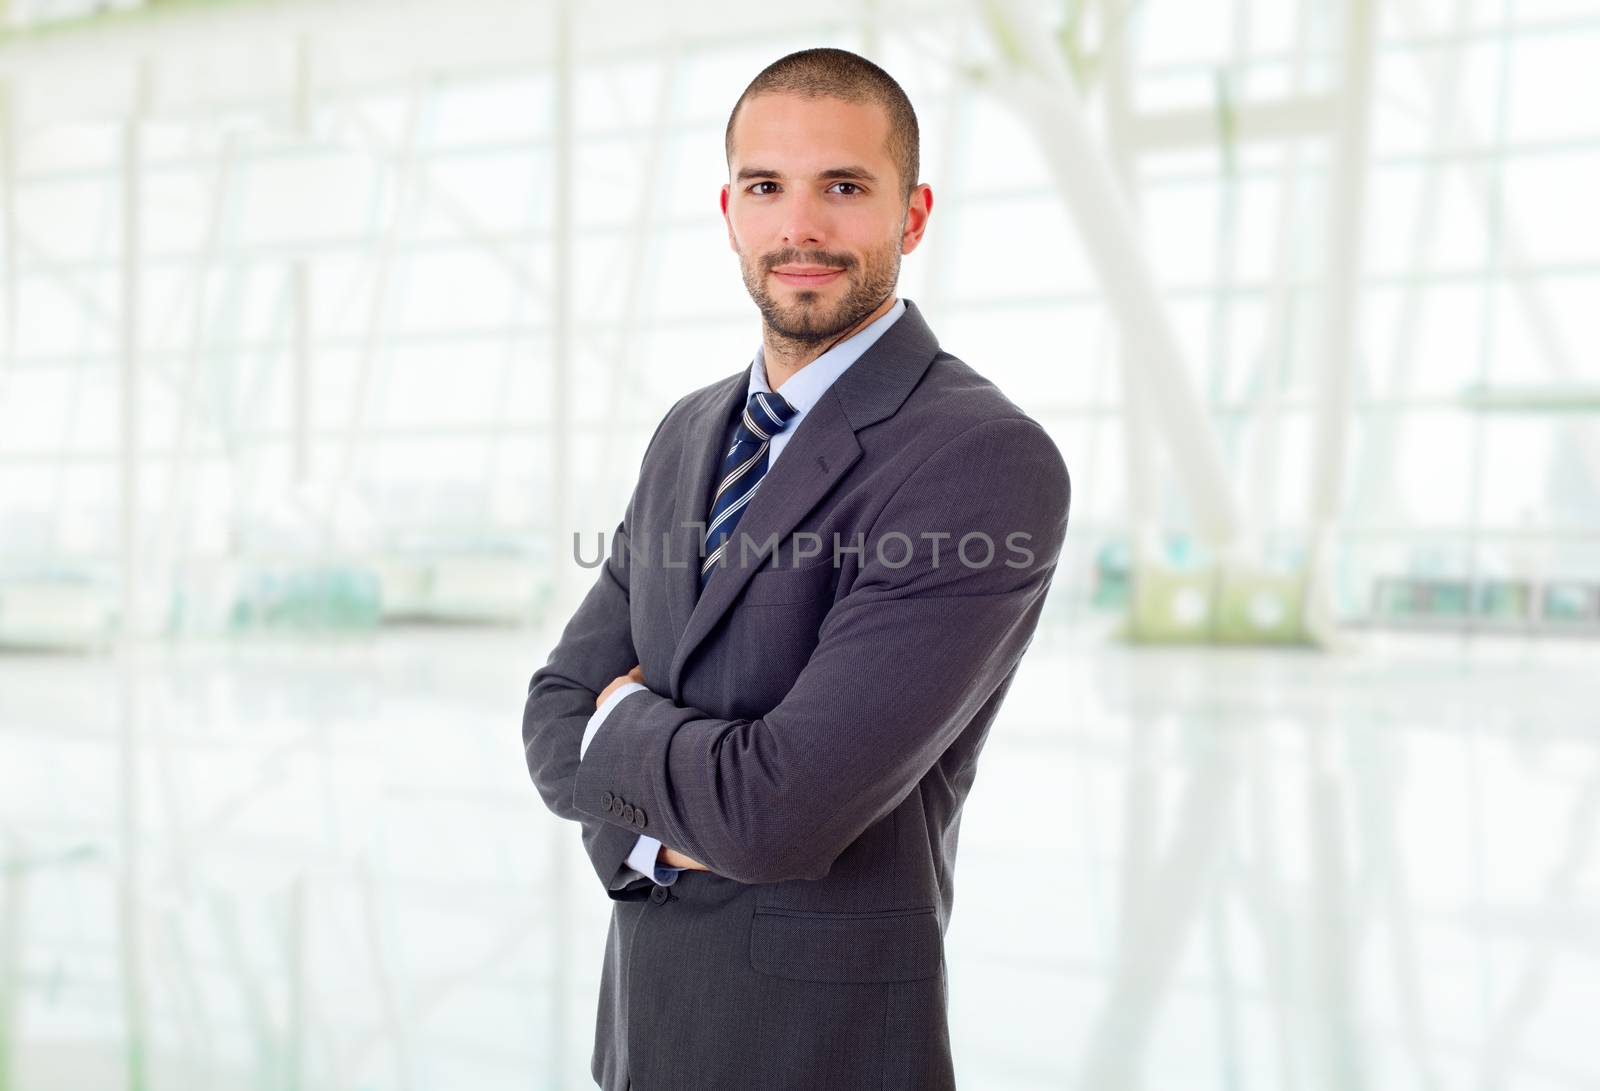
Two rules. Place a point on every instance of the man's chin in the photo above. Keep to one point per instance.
(807, 328)
(807, 325)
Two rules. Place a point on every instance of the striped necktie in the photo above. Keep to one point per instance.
(765, 415)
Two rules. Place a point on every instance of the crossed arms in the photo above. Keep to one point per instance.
(902, 665)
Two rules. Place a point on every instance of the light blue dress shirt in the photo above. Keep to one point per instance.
(803, 390)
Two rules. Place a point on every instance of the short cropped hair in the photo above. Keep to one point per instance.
(838, 73)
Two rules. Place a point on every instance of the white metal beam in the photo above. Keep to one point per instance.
(1138, 427)
(8, 236)
(13, 913)
(1037, 84)
(300, 409)
(130, 916)
(561, 354)
(559, 1031)
(1341, 313)
(130, 307)
(1283, 119)
(1267, 403)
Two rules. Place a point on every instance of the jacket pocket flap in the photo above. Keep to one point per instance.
(900, 945)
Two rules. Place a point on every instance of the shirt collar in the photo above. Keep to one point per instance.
(805, 387)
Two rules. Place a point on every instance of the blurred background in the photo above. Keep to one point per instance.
(324, 327)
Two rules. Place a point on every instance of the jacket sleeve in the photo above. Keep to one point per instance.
(595, 647)
(904, 662)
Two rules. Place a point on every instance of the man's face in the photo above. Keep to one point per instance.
(815, 212)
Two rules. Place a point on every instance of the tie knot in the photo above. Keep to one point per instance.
(766, 414)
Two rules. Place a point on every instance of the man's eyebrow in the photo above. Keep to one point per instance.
(858, 173)
(861, 174)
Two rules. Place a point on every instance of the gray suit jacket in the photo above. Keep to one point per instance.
(810, 731)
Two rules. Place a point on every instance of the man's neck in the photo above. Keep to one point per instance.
(783, 356)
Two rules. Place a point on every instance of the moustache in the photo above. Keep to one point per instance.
(791, 256)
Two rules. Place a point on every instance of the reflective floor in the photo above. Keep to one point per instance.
(1178, 869)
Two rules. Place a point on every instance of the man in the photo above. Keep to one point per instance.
(767, 712)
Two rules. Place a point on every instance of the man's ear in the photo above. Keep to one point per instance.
(918, 210)
(732, 244)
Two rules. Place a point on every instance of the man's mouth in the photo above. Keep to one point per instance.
(806, 276)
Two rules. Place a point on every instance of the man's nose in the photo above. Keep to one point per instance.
(804, 222)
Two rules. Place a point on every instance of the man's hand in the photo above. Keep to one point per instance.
(668, 858)
(635, 675)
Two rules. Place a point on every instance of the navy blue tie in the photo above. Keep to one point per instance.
(765, 415)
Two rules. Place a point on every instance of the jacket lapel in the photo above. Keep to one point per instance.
(821, 451)
(700, 461)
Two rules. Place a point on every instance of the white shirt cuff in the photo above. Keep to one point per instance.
(603, 711)
(643, 861)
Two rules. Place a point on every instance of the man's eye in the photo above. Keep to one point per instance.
(854, 189)
(756, 188)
